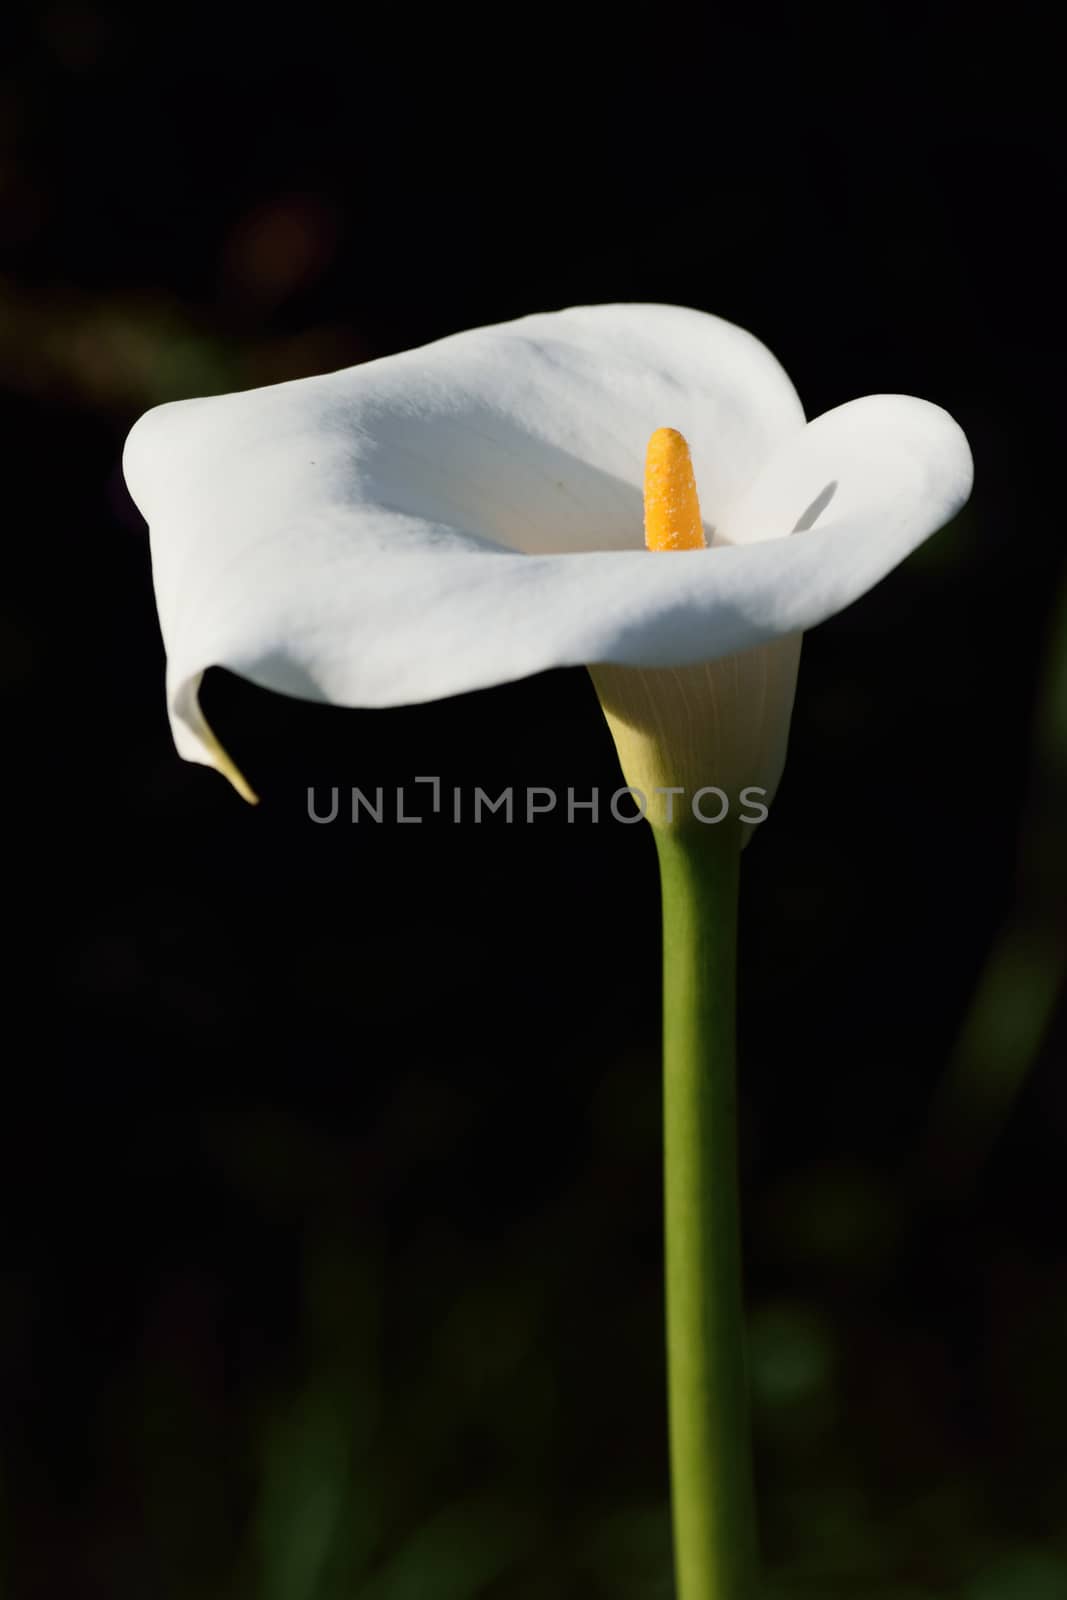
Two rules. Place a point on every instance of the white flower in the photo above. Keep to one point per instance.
(471, 512)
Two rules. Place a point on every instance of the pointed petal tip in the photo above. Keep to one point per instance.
(243, 789)
(196, 740)
(222, 763)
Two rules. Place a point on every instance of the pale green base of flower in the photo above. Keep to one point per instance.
(720, 723)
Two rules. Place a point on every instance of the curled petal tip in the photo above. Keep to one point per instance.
(222, 761)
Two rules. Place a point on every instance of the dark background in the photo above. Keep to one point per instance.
(331, 1255)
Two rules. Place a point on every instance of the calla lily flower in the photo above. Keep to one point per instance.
(633, 488)
(471, 512)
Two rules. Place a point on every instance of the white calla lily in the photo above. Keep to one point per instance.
(471, 512)
(476, 511)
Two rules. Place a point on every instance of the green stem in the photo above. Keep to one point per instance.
(711, 1464)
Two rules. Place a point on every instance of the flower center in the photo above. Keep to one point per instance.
(672, 510)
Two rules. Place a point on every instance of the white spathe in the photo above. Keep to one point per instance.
(471, 512)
